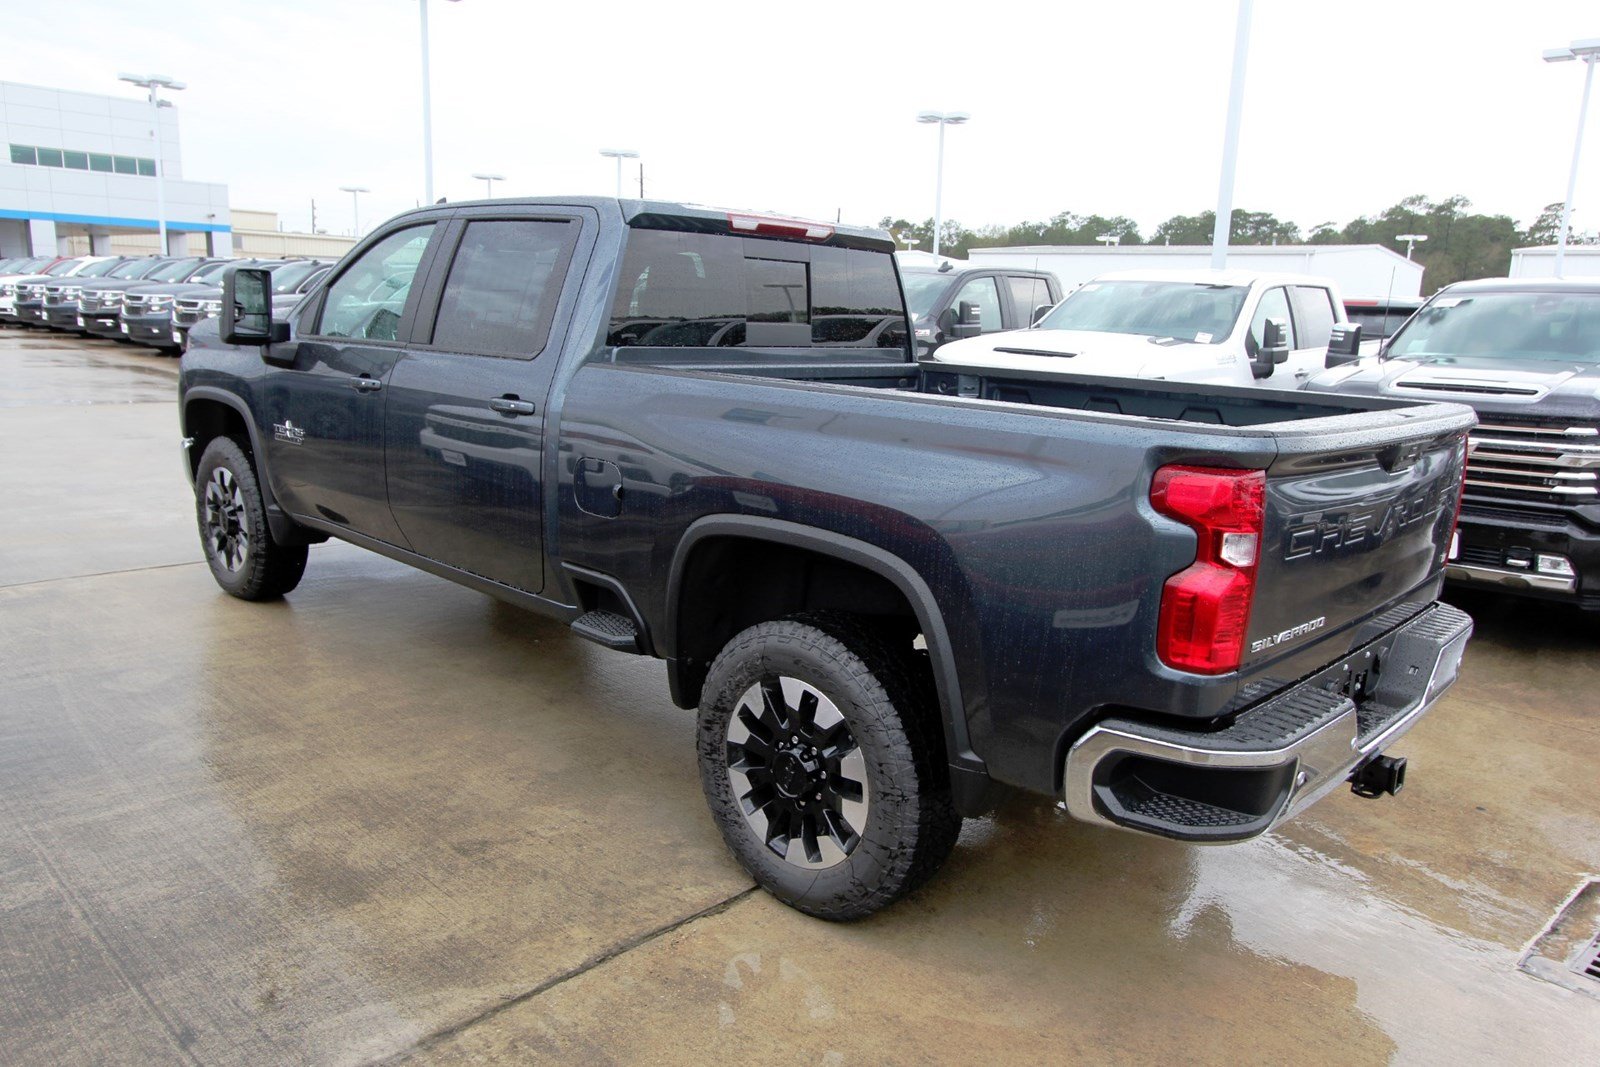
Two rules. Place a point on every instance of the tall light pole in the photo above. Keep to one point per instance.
(943, 119)
(427, 108)
(1587, 50)
(619, 154)
(488, 181)
(155, 83)
(1410, 239)
(355, 192)
(1230, 138)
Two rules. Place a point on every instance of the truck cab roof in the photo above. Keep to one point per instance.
(1214, 277)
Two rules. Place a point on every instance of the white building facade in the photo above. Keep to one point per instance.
(1580, 261)
(84, 165)
(1368, 271)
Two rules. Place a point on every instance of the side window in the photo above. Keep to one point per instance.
(501, 292)
(1313, 316)
(1274, 305)
(369, 298)
(1027, 294)
(986, 294)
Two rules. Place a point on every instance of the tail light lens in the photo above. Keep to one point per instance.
(1205, 608)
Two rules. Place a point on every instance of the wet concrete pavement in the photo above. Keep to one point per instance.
(389, 818)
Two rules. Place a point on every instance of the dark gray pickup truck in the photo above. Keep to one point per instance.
(1525, 354)
(890, 588)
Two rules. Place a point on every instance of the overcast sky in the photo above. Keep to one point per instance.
(809, 108)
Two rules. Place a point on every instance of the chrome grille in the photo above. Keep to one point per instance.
(133, 304)
(1554, 464)
(89, 301)
(188, 312)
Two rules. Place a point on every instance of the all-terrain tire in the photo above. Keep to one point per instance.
(232, 515)
(879, 686)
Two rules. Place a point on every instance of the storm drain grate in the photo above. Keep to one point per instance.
(1567, 953)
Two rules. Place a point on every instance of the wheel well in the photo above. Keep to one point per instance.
(206, 420)
(732, 583)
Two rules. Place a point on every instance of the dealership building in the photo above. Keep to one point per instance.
(81, 168)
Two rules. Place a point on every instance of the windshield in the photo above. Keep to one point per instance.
(922, 290)
(173, 272)
(99, 269)
(1564, 327)
(1190, 311)
(286, 277)
(65, 267)
(134, 268)
(213, 274)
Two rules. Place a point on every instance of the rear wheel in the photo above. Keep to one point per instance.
(243, 557)
(823, 764)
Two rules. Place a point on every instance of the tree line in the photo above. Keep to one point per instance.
(1461, 243)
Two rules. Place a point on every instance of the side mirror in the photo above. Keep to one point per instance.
(246, 317)
(1274, 348)
(969, 321)
(1344, 345)
(1039, 312)
(946, 324)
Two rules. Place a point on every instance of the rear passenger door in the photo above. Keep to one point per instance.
(1028, 294)
(464, 425)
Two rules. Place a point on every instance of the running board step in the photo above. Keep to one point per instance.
(608, 628)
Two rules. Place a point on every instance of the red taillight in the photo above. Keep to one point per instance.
(799, 229)
(1205, 608)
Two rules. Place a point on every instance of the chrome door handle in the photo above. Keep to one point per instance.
(366, 385)
(510, 405)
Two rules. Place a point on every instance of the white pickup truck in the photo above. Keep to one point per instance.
(1227, 327)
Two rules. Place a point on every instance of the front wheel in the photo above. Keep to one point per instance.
(243, 557)
(823, 764)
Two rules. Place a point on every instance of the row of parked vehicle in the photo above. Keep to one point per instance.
(149, 300)
(1525, 355)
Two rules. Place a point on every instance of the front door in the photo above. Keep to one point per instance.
(325, 452)
(465, 415)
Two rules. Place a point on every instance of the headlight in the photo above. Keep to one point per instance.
(72, 292)
(111, 299)
(158, 303)
(212, 307)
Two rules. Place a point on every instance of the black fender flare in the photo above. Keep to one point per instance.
(285, 530)
(969, 775)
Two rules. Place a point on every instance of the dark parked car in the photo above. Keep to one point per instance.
(61, 298)
(290, 280)
(145, 312)
(949, 301)
(1526, 355)
(888, 587)
(27, 293)
(100, 304)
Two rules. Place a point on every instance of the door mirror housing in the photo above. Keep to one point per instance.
(1344, 345)
(969, 321)
(246, 317)
(1039, 312)
(1274, 348)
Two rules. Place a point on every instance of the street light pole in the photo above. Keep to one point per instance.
(943, 119)
(355, 192)
(1587, 50)
(154, 83)
(1230, 139)
(427, 108)
(619, 154)
(488, 181)
(1410, 239)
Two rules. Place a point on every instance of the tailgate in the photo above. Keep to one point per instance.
(1348, 534)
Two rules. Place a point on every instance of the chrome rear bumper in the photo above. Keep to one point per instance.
(1276, 758)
